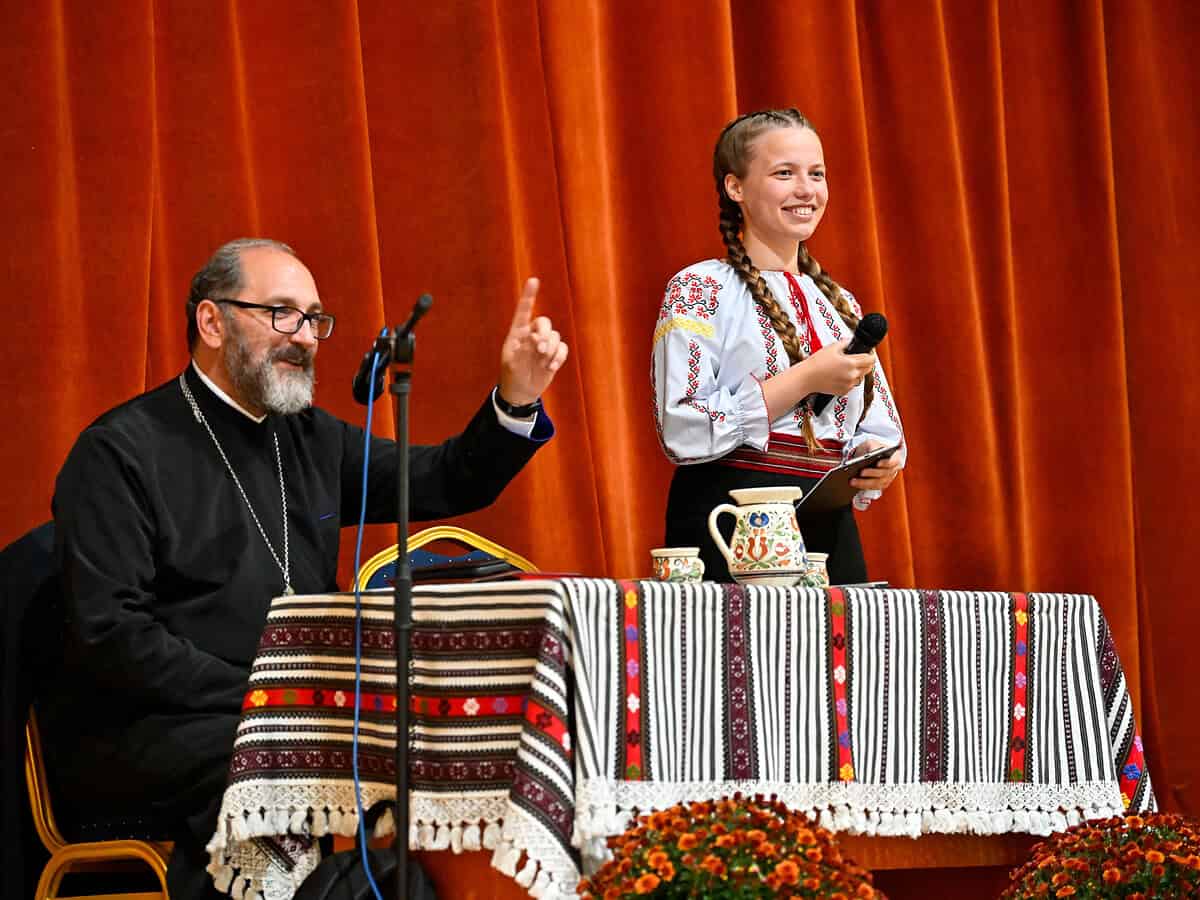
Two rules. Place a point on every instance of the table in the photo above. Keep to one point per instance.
(545, 712)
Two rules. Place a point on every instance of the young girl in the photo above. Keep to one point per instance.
(743, 342)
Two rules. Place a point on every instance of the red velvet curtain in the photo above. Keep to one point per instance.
(1010, 184)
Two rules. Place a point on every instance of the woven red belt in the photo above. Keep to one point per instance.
(788, 454)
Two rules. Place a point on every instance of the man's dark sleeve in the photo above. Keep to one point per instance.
(460, 475)
(104, 540)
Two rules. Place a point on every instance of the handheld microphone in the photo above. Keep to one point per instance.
(384, 349)
(870, 331)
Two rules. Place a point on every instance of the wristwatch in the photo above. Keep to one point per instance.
(517, 412)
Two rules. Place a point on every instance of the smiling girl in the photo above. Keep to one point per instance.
(742, 343)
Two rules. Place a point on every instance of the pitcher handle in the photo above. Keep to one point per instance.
(716, 535)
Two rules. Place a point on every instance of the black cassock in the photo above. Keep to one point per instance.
(167, 580)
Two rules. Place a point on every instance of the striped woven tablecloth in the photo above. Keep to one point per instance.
(545, 712)
(491, 767)
(881, 712)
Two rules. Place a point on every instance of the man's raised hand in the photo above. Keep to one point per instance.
(532, 352)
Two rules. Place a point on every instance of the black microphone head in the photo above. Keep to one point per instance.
(871, 329)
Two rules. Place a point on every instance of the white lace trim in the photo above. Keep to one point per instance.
(438, 822)
(604, 808)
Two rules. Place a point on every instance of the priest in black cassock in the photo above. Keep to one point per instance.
(182, 512)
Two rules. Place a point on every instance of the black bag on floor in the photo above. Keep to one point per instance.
(340, 876)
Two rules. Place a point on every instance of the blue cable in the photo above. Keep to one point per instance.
(362, 518)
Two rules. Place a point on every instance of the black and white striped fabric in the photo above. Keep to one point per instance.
(878, 711)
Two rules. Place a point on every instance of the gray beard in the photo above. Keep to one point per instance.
(260, 383)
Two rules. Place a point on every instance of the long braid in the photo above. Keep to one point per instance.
(731, 216)
(739, 259)
(833, 292)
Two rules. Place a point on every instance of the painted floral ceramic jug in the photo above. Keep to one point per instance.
(766, 547)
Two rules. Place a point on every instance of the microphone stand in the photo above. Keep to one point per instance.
(397, 348)
(402, 606)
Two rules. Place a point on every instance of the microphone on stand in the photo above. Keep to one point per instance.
(870, 331)
(383, 348)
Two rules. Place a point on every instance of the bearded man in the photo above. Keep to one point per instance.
(180, 514)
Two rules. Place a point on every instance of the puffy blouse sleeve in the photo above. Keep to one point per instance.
(706, 403)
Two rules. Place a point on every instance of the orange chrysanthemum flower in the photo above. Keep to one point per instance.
(788, 872)
(713, 864)
(646, 883)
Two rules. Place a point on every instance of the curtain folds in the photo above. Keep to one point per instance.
(1011, 184)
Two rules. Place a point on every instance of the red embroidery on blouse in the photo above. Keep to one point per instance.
(885, 396)
(769, 341)
(832, 321)
(689, 293)
(809, 339)
(693, 382)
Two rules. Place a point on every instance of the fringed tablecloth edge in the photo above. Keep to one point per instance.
(438, 822)
(605, 808)
(549, 871)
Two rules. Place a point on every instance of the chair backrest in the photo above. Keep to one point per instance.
(380, 569)
(39, 788)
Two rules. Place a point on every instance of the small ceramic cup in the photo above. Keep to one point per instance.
(815, 574)
(677, 564)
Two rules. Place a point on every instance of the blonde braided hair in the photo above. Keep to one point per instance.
(733, 153)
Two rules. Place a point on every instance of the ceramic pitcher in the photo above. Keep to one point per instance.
(766, 547)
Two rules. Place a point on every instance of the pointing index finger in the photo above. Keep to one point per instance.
(524, 310)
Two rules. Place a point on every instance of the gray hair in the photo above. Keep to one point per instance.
(221, 276)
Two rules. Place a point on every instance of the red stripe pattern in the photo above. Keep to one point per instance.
(838, 677)
(631, 661)
(1018, 744)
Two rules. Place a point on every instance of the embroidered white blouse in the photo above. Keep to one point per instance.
(713, 345)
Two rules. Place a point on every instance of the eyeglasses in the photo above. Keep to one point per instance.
(289, 320)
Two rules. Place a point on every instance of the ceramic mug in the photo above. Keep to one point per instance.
(766, 546)
(815, 573)
(677, 564)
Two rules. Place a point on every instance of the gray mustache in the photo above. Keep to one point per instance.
(294, 355)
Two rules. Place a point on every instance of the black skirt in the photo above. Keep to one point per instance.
(696, 489)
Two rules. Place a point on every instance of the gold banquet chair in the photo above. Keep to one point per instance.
(89, 856)
(483, 556)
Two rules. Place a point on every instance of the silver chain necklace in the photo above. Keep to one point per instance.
(285, 565)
